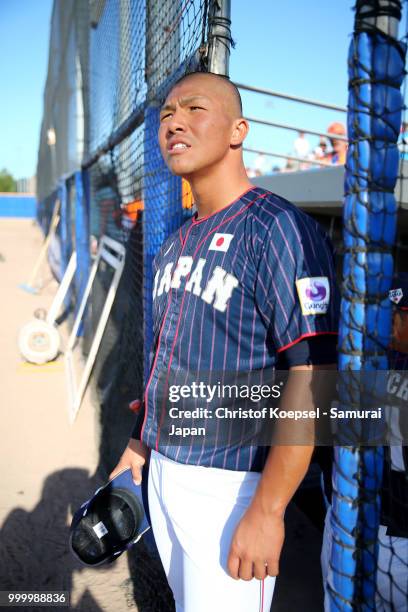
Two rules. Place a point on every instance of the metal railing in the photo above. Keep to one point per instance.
(286, 126)
(301, 160)
(277, 94)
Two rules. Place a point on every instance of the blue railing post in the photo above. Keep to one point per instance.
(82, 207)
(65, 224)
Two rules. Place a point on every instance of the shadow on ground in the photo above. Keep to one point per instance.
(34, 545)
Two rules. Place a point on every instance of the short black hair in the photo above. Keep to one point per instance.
(232, 85)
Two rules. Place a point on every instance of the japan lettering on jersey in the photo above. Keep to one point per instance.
(217, 291)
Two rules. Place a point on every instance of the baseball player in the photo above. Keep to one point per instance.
(392, 562)
(246, 282)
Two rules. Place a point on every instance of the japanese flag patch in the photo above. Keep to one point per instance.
(314, 294)
(396, 295)
(220, 242)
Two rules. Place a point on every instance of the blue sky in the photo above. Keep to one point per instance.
(24, 35)
(296, 46)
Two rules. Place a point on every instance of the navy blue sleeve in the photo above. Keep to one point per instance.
(316, 350)
(296, 291)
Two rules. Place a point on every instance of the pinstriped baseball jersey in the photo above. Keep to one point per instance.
(231, 291)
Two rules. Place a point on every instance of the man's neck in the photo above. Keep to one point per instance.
(212, 193)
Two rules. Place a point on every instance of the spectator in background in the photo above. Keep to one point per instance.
(339, 147)
(301, 146)
(260, 165)
(301, 149)
(289, 166)
(320, 152)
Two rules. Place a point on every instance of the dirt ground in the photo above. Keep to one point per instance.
(48, 469)
(47, 465)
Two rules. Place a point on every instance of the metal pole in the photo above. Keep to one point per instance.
(79, 114)
(123, 178)
(219, 37)
(82, 20)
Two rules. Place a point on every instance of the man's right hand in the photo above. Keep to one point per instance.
(134, 457)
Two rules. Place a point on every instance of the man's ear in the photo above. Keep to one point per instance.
(240, 131)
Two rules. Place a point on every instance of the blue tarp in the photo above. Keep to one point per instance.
(16, 205)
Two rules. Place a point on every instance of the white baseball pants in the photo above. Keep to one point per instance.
(194, 512)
